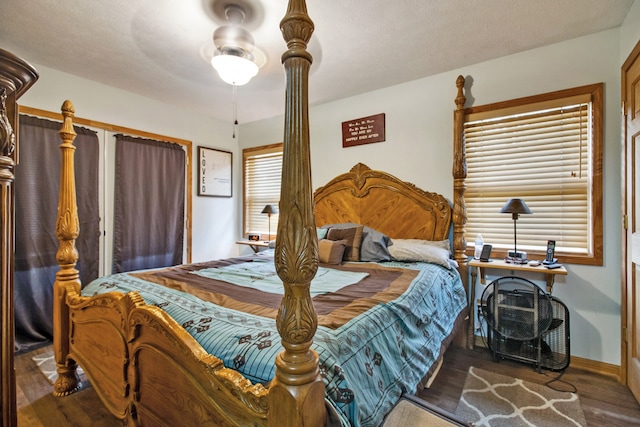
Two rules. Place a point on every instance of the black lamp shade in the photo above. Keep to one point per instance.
(515, 206)
(270, 209)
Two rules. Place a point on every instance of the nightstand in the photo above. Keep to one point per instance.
(476, 266)
(254, 244)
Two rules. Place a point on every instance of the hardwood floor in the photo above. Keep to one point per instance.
(605, 401)
(37, 407)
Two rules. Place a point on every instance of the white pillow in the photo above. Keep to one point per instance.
(444, 244)
(419, 250)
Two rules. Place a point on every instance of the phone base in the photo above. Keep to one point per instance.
(546, 262)
(517, 257)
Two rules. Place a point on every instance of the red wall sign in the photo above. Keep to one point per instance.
(363, 131)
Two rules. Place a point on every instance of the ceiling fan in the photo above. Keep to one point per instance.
(236, 59)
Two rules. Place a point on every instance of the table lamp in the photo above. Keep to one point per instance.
(269, 210)
(516, 207)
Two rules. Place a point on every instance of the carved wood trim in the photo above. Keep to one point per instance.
(67, 230)
(459, 171)
(16, 77)
(296, 394)
(459, 175)
(385, 203)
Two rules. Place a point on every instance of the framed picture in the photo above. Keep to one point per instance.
(214, 172)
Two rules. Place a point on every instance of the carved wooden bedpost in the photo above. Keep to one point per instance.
(459, 187)
(67, 230)
(459, 175)
(296, 395)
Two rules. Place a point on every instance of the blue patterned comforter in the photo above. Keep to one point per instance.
(366, 363)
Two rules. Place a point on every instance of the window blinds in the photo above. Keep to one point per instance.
(541, 156)
(262, 176)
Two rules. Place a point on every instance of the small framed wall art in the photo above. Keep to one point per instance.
(214, 172)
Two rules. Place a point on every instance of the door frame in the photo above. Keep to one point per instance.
(628, 202)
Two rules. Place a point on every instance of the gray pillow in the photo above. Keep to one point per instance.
(374, 245)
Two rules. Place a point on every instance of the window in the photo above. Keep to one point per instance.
(262, 173)
(547, 150)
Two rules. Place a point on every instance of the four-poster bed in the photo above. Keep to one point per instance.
(149, 369)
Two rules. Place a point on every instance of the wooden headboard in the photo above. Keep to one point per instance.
(385, 203)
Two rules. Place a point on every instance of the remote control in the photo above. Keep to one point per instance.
(553, 266)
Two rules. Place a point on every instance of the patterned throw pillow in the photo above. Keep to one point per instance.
(374, 246)
(353, 236)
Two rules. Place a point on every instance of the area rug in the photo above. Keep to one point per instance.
(47, 365)
(492, 400)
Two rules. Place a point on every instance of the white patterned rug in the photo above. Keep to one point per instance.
(491, 400)
(47, 365)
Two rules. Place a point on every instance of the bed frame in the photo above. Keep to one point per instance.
(149, 371)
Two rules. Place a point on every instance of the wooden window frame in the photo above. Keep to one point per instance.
(260, 221)
(594, 93)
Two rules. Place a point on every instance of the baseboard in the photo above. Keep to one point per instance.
(597, 367)
(588, 365)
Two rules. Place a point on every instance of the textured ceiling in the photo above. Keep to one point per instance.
(161, 48)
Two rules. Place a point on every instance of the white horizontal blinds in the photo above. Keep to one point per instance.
(262, 174)
(540, 156)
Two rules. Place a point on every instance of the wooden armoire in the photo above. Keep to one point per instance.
(16, 76)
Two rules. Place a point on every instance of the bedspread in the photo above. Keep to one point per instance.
(376, 338)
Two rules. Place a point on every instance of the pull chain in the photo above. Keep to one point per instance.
(235, 112)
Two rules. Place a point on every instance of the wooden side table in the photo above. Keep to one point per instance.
(477, 268)
(255, 245)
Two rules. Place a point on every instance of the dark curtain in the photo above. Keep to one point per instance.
(36, 194)
(149, 204)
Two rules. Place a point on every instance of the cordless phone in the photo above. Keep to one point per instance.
(551, 248)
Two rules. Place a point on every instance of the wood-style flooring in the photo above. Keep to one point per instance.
(605, 401)
(37, 407)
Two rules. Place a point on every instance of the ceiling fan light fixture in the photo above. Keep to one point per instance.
(232, 58)
(234, 69)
